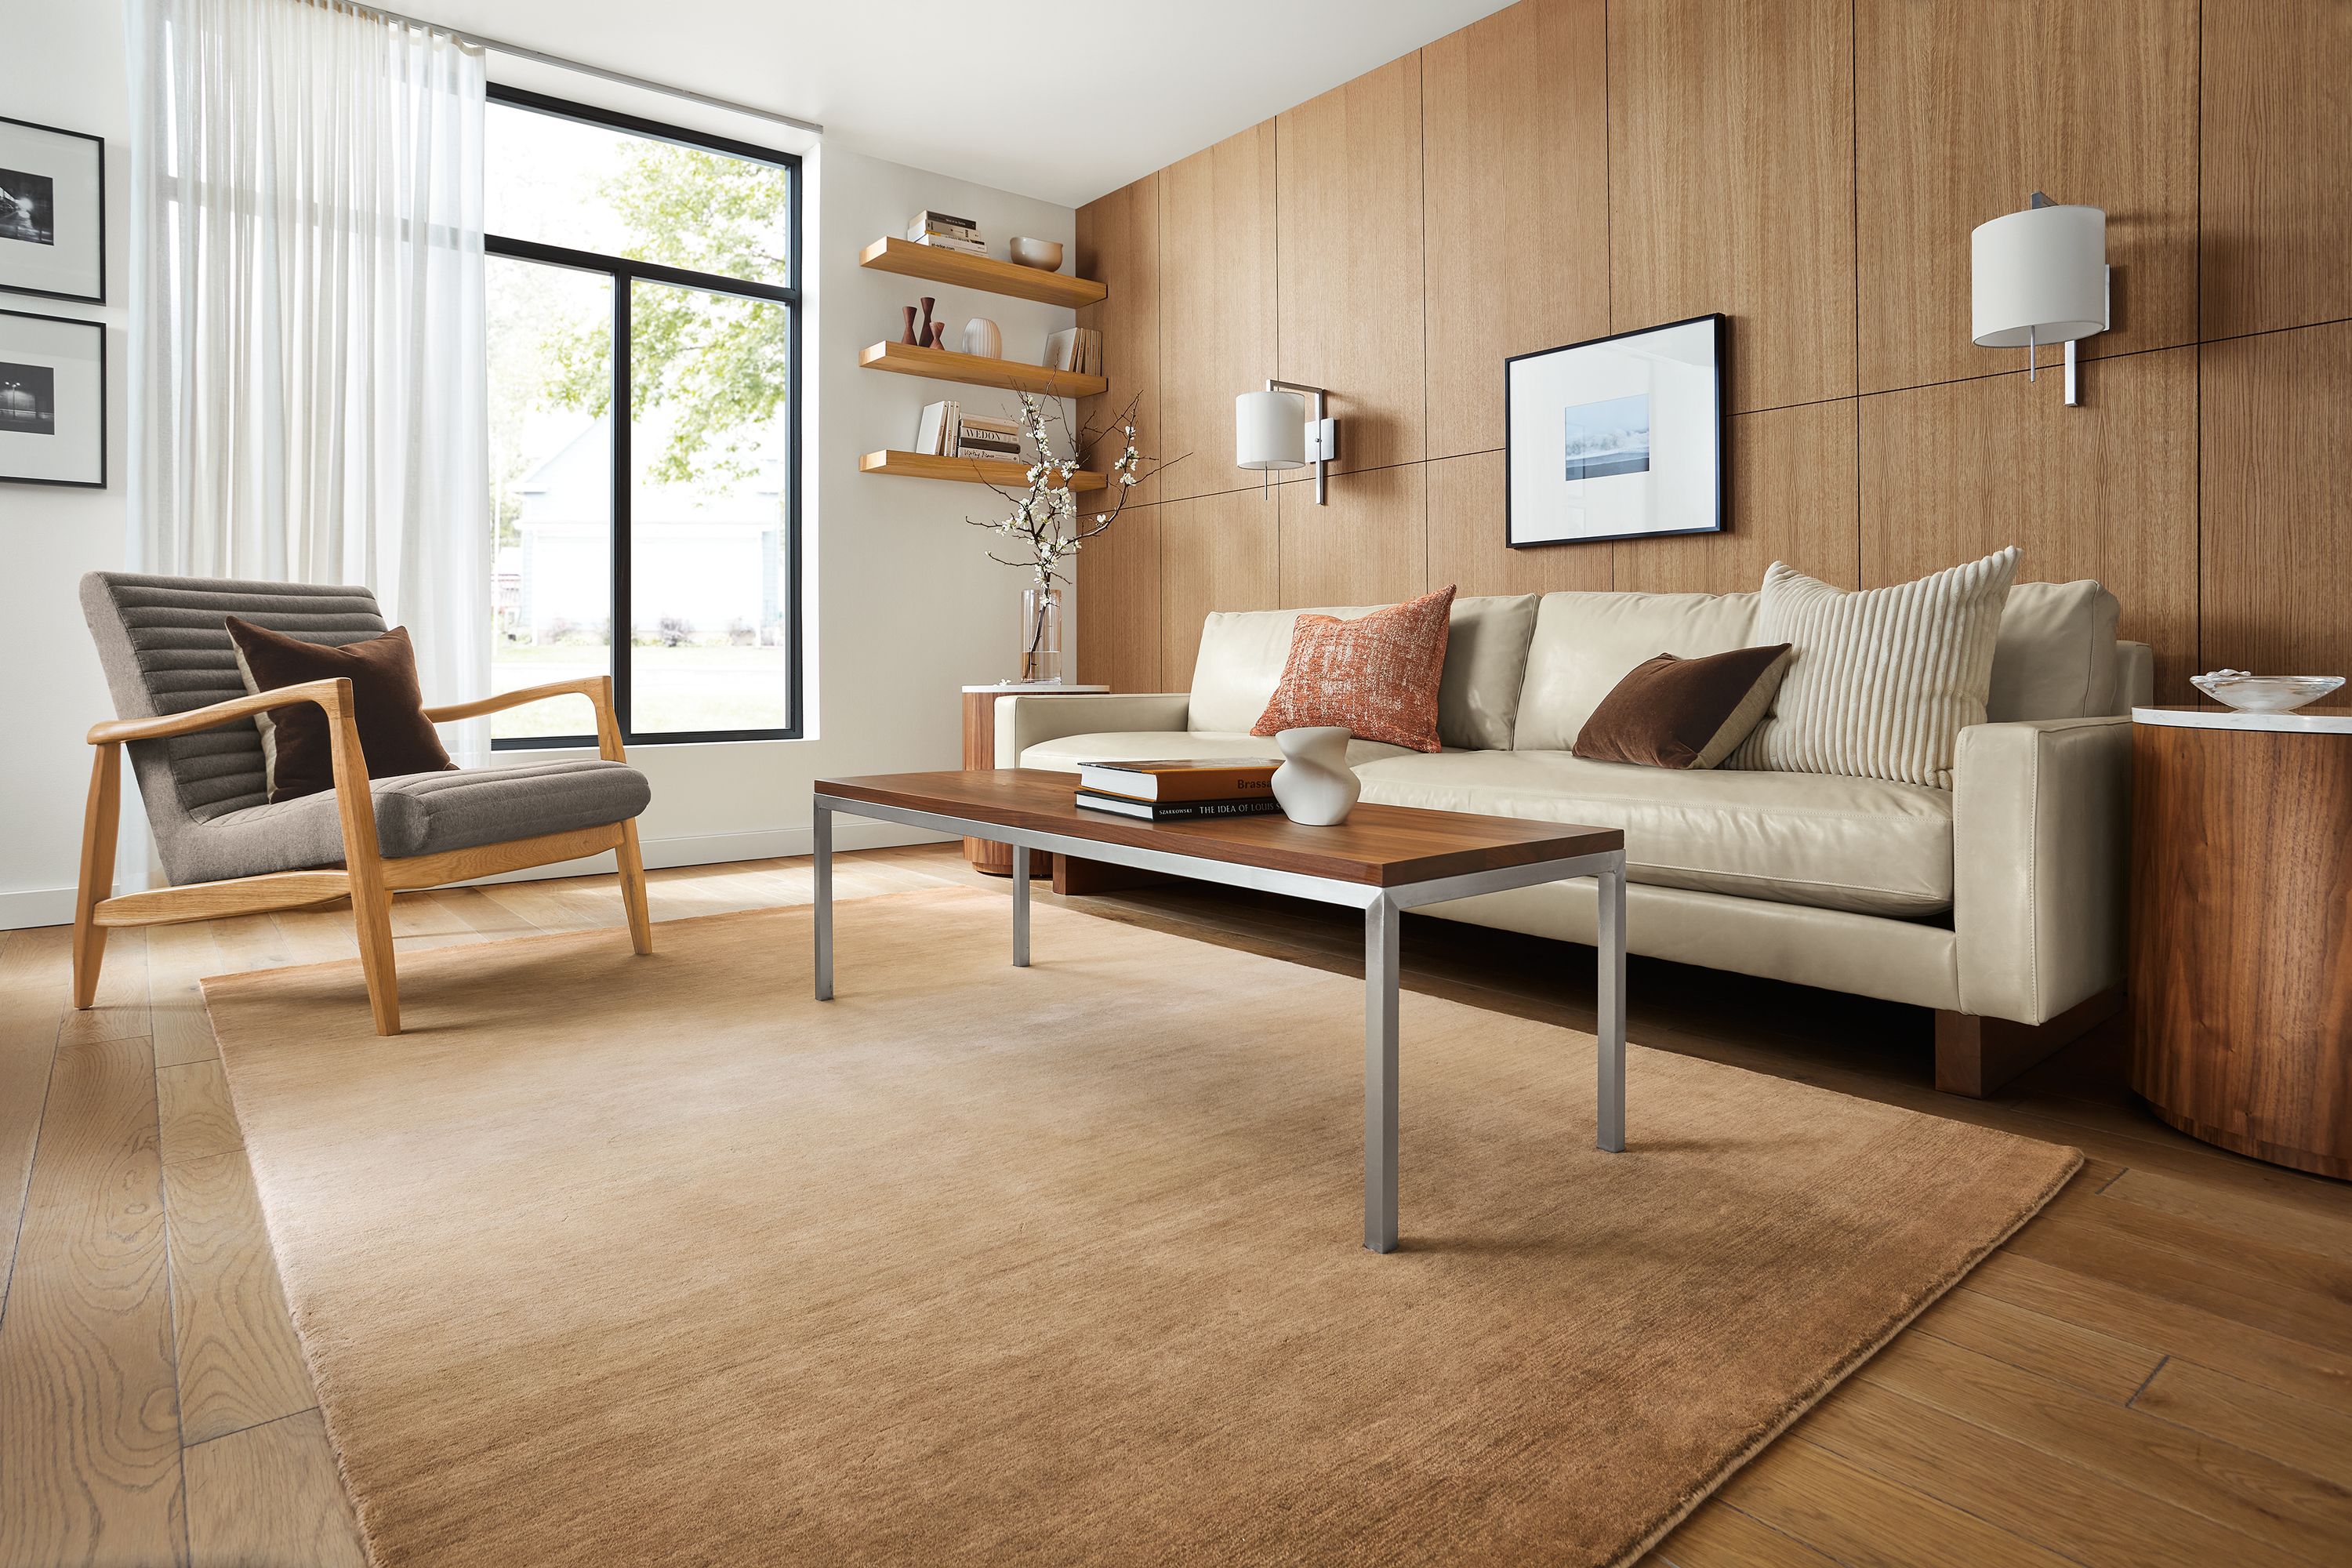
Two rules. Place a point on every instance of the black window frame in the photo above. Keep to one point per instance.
(623, 272)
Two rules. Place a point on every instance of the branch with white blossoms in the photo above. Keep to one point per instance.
(1043, 524)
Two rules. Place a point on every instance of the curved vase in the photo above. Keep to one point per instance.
(980, 337)
(1314, 786)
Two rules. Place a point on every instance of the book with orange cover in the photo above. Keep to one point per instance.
(1183, 778)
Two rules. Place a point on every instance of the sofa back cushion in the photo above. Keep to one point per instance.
(2055, 656)
(1243, 652)
(1585, 644)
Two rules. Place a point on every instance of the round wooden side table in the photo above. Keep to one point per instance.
(2241, 930)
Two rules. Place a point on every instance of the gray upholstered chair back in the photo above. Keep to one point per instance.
(164, 644)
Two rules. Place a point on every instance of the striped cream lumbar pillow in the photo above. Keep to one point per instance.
(1883, 680)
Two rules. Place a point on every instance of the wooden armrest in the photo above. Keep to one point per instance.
(593, 687)
(334, 696)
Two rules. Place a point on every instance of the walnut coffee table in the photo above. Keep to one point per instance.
(1384, 859)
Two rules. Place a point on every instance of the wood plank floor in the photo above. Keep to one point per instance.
(2156, 1371)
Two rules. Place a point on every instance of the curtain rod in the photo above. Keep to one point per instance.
(539, 56)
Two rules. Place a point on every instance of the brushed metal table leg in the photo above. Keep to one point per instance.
(1610, 1034)
(1020, 906)
(1382, 921)
(821, 836)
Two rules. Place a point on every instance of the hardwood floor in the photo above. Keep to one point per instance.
(2156, 1371)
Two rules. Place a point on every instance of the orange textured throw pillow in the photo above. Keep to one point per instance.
(1376, 675)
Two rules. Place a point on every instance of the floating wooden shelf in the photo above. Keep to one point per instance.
(964, 270)
(1001, 472)
(946, 365)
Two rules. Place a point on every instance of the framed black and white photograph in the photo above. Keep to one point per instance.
(52, 212)
(52, 401)
(1621, 437)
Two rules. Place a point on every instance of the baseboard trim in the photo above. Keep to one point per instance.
(27, 907)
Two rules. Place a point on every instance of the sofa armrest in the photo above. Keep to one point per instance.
(2042, 847)
(1032, 719)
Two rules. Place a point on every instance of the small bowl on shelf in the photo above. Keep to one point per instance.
(2264, 693)
(1044, 255)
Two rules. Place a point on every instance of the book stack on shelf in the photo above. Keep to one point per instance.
(1075, 348)
(945, 430)
(948, 233)
(1181, 790)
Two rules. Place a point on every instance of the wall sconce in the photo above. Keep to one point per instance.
(2040, 277)
(1271, 430)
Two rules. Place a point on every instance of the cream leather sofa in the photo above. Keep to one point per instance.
(1999, 902)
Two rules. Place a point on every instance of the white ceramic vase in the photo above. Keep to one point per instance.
(980, 337)
(1315, 784)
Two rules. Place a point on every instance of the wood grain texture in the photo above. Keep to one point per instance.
(34, 973)
(2241, 953)
(2108, 490)
(2276, 492)
(1117, 608)
(1793, 497)
(2276, 244)
(270, 1497)
(2093, 1361)
(1369, 545)
(2296, 1432)
(1515, 149)
(1217, 552)
(990, 274)
(1001, 472)
(193, 1110)
(1964, 108)
(1731, 184)
(980, 753)
(239, 1363)
(1805, 1490)
(1466, 538)
(1349, 300)
(91, 1469)
(1216, 305)
(974, 370)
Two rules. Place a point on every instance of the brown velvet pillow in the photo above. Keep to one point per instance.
(386, 702)
(1674, 712)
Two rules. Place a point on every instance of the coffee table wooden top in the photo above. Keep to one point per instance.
(1381, 845)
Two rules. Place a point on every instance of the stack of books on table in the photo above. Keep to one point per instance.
(1075, 348)
(1180, 790)
(948, 233)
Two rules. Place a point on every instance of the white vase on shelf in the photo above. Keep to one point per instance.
(980, 337)
(1314, 786)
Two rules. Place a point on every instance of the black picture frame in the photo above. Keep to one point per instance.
(97, 208)
(1716, 524)
(98, 330)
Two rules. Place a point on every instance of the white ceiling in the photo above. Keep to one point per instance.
(1052, 99)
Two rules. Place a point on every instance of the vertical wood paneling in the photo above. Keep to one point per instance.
(1222, 552)
(1731, 184)
(2276, 197)
(2277, 503)
(1369, 547)
(1515, 141)
(1965, 107)
(1950, 473)
(1217, 305)
(1793, 484)
(1119, 604)
(1350, 288)
(1466, 538)
(1117, 608)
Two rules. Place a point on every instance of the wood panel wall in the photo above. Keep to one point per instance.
(1566, 169)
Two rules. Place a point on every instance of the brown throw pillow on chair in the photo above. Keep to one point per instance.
(1674, 712)
(385, 703)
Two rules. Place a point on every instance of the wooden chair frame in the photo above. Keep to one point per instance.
(367, 879)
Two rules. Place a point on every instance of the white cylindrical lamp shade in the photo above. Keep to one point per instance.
(2039, 275)
(1270, 430)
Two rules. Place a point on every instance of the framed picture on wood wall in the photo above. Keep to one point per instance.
(1621, 437)
(52, 401)
(52, 212)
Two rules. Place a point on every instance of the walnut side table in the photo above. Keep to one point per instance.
(980, 751)
(2241, 930)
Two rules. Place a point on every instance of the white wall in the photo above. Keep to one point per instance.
(903, 607)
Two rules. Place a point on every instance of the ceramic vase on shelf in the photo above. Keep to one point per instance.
(980, 337)
(1041, 635)
(925, 336)
(1314, 786)
(908, 335)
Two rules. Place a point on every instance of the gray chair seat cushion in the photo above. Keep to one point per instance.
(415, 814)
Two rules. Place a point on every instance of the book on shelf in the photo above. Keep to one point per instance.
(1183, 779)
(943, 242)
(990, 422)
(1176, 811)
(932, 217)
(1075, 348)
(934, 428)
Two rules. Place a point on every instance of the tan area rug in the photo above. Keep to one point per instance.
(658, 1261)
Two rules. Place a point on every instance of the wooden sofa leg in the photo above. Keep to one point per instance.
(99, 819)
(633, 889)
(1975, 1055)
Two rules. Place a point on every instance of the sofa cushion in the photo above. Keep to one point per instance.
(1066, 754)
(1584, 644)
(1864, 844)
(2055, 656)
(1243, 652)
(1676, 713)
(1375, 675)
(416, 814)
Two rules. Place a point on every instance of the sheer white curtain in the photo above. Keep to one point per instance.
(307, 323)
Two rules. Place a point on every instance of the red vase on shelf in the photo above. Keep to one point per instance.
(908, 335)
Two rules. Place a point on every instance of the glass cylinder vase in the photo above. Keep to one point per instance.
(1041, 635)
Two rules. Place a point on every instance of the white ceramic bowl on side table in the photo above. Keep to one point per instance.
(2264, 693)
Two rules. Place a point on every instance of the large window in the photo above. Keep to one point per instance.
(644, 300)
